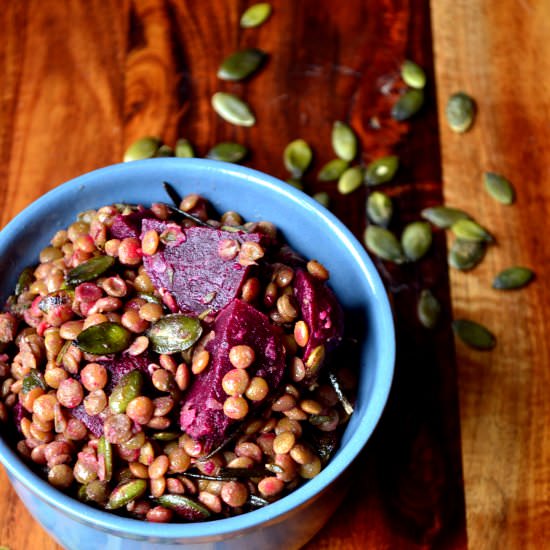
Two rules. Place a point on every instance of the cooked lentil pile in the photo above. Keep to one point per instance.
(168, 364)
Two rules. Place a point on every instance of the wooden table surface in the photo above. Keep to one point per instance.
(461, 455)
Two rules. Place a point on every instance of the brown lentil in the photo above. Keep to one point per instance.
(159, 467)
(235, 382)
(250, 252)
(249, 449)
(95, 402)
(283, 403)
(38, 454)
(235, 407)
(138, 346)
(212, 502)
(200, 361)
(158, 423)
(174, 486)
(234, 494)
(284, 276)
(93, 376)
(286, 307)
(70, 393)
(270, 486)
(129, 251)
(257, 389)
(142, 283)
(140, 409)
(162, 380)
(179, 460)
(301, 333)
(310, 469)
(251, 289)
(182, 376)
(133, 322)
(270, 294)
(297, 369)
(159, 514)
(190, 446)
(94, 319)
(284, 442)
(241, 356)
(150, 312)
(43, 407)
(150, 242)
(289, 467)
(117, 428)
(28, 399)
(61, 476)
(301, 454)
(115, 286)
(318, 270)
(310, 406)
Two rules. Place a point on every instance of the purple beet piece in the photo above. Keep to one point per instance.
(192, 269)
(117, 369)
(320, 310)
(19, 412)
(202, 415)
(129, 225)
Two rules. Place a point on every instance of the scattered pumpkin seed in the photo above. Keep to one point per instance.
(332, 170)
(413, 75)
(295, 182)
(104, 338)
(143, 148)
(469, 230)
(513, 278)
(474, 334)
(233, 109)
(499, 188)
(165, 151)
(129, 387)
(184, 149)
(408, 105)
(255, 15)
(89, 270)
(351, 180)
(465, 255)
(125, 493)
(428, 309)
(24, 280)
(381, 170)
(241, 64)
(297, 157)
(344, 141)
(460, 112)
(384, 244)
(227, 151)
(105, 453)
(443, 216)
(416, 240)
(174, 333)
(322, 198)
(184, 506)
(379, 208)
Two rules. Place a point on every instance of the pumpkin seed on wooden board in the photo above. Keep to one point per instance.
(474, 334)
(428, 309)
(384, 244)
(233, 109)
(143, 148)
(465, 255)
(255, 15)
(332, 170)
(408, 105)
(227, 151)
(379, 208)
(513, 278)
(443, 216)
(381, 170)
(416, 240)
(499, 188)
(297, 157)
(469, 230)
(344, 141)
(241, 64)
(460, 112)
(351, 180)
(184, 149)
(413, 75)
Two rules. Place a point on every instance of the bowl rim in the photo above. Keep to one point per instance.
(121, 526)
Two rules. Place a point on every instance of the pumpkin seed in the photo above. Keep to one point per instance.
(255, 15)
(174, 333)
(416, 240)
(381, 170)
(322, 198)
(465, 255)
(184, 506)
(295, 182)
(143, 148)
(241, 64)
(165, 151)
(344, 141)
(351, 180)
(184, 149)
(460, 112)
(105, 454)
(428, 309)
(34, 379)
(129, 387)
(297, 157)
(499, 188)
(408, 105)
(24, 281)
(384, 244)
(344, 401)
(469, 230)
(512, 278)
(474, 334)
(379, 208)
(165, 436)
(104, 338)
(89, 270)
(332, 170)
(413, 75)
(233, 109)
(125, 493)
(227, 151)
(443, 216)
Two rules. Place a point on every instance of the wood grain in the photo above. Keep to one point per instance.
(502, 58)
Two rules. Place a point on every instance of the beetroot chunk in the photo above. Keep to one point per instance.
(129, 225)
(202, 415)
(201, 271)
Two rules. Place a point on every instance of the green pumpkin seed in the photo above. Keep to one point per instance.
(125, 493)
(513, 278)
(295, 182)
(184, 506)
(24, 281)
(379, 208)
(34, 379)
(322, 198)
(416, 240)
(384, 244)
(332, 170)
(428, 309)
(165, 151)
(408, 105)
(499, 188)
(129, 387)
(143, 148)
(460, 112)
(381, 170)
(344, 141)
(473, 334)
(184, 149)
(150, 297)
(90, 270)
(174, 333)
(105, 454)
(413, 75)
(443, 216)
(166, 436)
(233, 109)
(227, 151)
(297, 157)
(465, 255)
(104, 338)
(241, 64)
(255, 15)
(469, 230)
(351, 180)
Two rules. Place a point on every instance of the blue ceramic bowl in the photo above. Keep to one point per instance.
(312, 231)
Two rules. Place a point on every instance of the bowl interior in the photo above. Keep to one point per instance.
(309, 228)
